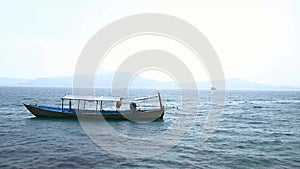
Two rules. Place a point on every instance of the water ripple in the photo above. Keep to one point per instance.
(259, 129)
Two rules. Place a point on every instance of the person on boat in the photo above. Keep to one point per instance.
(118, 104)
(133, 106)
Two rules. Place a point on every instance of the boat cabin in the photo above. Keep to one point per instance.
(84, 99)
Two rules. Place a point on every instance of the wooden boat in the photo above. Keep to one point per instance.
(133, 113)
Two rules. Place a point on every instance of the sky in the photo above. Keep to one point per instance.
(256, 40)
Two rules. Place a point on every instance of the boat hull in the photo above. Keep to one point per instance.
(39, 111)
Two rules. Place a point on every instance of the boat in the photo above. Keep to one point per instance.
(131, 113)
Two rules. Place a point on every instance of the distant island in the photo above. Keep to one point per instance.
(105, 81)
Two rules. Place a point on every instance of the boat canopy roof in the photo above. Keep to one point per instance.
(92, 98)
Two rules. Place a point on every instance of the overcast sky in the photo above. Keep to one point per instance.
(255, 40)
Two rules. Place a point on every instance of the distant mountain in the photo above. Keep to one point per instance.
(12, 81)
(238, 84)
(49, 82)
(105, 81)
(246, 85)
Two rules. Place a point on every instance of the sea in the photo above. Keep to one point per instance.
(254, 129)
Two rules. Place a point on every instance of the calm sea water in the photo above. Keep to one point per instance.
(258, 129)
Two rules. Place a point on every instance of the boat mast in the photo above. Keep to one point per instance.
(96, 105)
(62, 104)
(161, 106)
(78, 106)
(70, 105)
